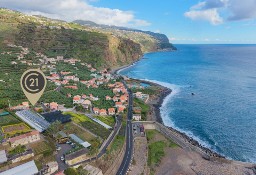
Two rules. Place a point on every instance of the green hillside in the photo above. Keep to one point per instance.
(53, 38)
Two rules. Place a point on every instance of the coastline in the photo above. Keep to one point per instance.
(207, 153)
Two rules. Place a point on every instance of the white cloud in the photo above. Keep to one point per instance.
(70, 10)
(235, 10)
(210, 15)
(242, 10)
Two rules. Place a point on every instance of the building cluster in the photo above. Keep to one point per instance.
(141, 96)
(120, 99)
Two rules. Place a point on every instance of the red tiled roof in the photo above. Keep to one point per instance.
(34, 132)
(111, 109)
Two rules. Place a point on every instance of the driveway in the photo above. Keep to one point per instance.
(64, 149)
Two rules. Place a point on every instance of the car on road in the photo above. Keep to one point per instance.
(58, 148)
(62, 158)
(68, 142)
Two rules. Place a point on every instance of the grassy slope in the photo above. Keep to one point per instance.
(71, 40)
(157, 145)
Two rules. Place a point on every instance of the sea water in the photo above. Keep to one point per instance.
(221, 114)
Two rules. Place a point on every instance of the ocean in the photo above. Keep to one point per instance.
(221, 114)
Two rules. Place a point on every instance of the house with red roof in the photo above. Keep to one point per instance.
(123, 90)
(117, 104)
(116, 90)
(71, 87)
(54, 106)
(77, 99)
(111, 85)
(121, 109)
(64, 73)
(96, 110)
(24, 139)
(115, 98)
(64, 82)
(111, 111)
(108, 98)
(72, 77)
(103, 112)
(123, 98)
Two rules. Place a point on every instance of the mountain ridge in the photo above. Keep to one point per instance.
(100, 47)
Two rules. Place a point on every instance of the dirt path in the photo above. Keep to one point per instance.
(139, 162)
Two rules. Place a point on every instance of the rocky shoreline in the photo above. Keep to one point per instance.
(161, 96)
(208, 154)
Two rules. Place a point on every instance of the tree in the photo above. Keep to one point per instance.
(70, 171)
(54, 128)
(82, 171)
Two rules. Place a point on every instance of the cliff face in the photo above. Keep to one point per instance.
(91, 47)
(101, 47)
(149, 41)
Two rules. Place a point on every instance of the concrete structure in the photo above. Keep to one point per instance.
(80, 141)
(24, 156)
(137, 110)
(52, 167)
(77, 156)
(93, 170)
(33, 119)
(136, 117)
(24, 139)
(101, 123)
(3, 157)
(28, 168)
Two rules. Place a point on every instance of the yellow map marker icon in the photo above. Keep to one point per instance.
(33, 83)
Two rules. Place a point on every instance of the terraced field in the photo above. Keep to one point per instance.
(89, 124)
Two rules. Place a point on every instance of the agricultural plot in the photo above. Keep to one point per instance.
(11, 130)
(89, 124)
(8, 120)
(41, 148)
(109, 120)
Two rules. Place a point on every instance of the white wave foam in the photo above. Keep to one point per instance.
(120, 70)
(165, 110)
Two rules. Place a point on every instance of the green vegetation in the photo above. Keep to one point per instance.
(8, 120)
(101, 92)
(89, 124)
(54, 128)
(78, 171)
(109, 120)
(156, 152)
(17, 150)
(70, 171)
(157, 145)
(15, 129)
(151, 90)
(117, 143)
(70, 128)
(144, 107)
(82, 72)
(150, 134)
(42, 147)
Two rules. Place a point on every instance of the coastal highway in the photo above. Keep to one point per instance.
(129, 138)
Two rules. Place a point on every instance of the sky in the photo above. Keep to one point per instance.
(182, 21)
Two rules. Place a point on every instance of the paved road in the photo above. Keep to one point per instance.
(110, 139)
(129, 138)
(64, 148)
